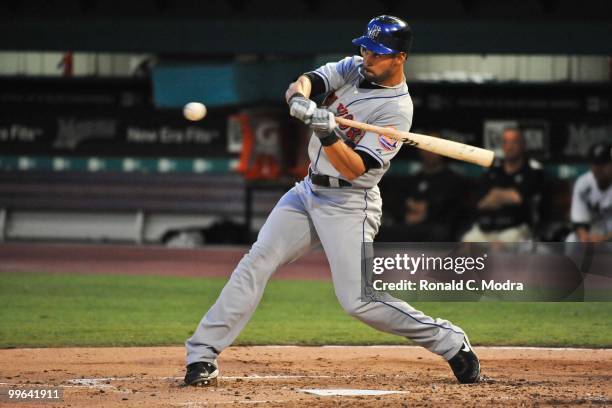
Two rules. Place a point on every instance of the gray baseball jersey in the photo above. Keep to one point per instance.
(591, 205)
(380, 106)
(338, 218)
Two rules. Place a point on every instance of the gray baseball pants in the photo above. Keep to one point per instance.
(340, 219)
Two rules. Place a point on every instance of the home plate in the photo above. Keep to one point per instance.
(347, 392)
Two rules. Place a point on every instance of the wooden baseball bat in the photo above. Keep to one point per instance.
(448, 148)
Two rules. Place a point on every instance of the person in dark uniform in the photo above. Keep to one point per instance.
(429, 208)
(511, 195)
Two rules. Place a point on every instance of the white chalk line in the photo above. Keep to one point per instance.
(85, 382)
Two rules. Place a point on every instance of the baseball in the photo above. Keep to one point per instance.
(194, 111)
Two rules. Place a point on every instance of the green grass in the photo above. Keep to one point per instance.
(40, 310)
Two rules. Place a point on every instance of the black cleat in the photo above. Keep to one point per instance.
(465, 364)
(201, 374)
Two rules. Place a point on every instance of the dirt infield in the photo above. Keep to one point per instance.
(275, 376)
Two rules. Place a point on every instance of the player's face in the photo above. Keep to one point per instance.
(382, 69)
(513, 145)
(602, 174)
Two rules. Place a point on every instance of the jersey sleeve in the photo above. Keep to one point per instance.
(383, 148)
(336, 74)
(579, 213)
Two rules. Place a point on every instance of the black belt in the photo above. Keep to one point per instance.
(327, 181)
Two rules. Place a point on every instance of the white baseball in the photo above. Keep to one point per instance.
(194, 111)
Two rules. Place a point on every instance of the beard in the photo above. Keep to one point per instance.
(377, 79)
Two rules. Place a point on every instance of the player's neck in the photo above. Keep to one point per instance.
(394, 80)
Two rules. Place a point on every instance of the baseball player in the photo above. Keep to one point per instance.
(591, 211)
(337, 205)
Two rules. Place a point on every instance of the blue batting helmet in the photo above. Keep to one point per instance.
(386, 35)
